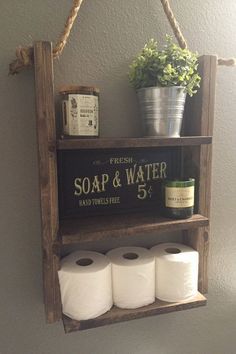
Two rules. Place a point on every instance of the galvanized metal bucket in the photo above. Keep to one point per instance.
(162, 110)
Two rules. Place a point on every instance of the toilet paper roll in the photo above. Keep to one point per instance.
(133, 277)
(176, 271)
(85, 283)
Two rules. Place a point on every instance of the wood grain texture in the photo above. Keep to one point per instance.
(45, 121)
(116, 226)
(119, 315)
(198, 160)
(118, 143)
(197, 163)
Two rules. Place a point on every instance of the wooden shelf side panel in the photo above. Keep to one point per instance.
(46, 134)
(199, 120)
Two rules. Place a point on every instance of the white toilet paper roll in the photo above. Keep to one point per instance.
(85, 283)
(176, 271)
(133, 277)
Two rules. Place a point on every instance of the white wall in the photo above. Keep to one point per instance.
(104, 40)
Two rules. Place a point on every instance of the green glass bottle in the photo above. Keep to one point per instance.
(178, 198)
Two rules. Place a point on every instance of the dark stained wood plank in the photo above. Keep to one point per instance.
(198, 160)
(45, 121)
(119, 315)
(117, 226)
(113, 143)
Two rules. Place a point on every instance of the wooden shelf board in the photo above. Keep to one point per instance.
(119, 315)
(113, 226)
(118, 143)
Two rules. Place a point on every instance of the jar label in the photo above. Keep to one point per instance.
(83, 115)
(179, 197)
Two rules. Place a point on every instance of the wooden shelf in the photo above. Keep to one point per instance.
(120, 315)
(118, 143)
(195, 161)
(114, 226)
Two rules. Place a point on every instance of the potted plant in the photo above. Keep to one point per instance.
(162, 78)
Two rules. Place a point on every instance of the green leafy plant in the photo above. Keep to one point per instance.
(170, 66)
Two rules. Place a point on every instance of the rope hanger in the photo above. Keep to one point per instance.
(25, 57)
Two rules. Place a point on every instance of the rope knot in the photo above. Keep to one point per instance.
(24, 58)
(23, 54)
(227, 62)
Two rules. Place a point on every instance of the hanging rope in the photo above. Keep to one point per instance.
(68, 26)
(179, 36)
(24, 59)
(25, 55)
(174, 24)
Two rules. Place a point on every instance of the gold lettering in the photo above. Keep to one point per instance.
(140, 177)
(105, 179)
(78, 188)
(106, 201)
(95, 185)
(148, 169)
(130, 172)
(155, 168)
(142, 193)
(120, 160)
(84, 202)
(134, 175)
(163, 170)
(86, 185)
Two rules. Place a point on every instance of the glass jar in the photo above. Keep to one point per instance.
(179, 198)
(80, 111)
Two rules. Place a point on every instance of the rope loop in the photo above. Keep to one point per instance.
(25, 57)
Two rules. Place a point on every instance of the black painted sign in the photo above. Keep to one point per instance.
(110, 181)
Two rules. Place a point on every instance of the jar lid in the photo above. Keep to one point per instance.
(78, 89)
(180, 183)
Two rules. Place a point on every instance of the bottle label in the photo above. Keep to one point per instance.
(83, 115)
(179, 197)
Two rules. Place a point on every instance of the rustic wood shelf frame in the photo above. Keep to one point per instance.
(196, 154)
